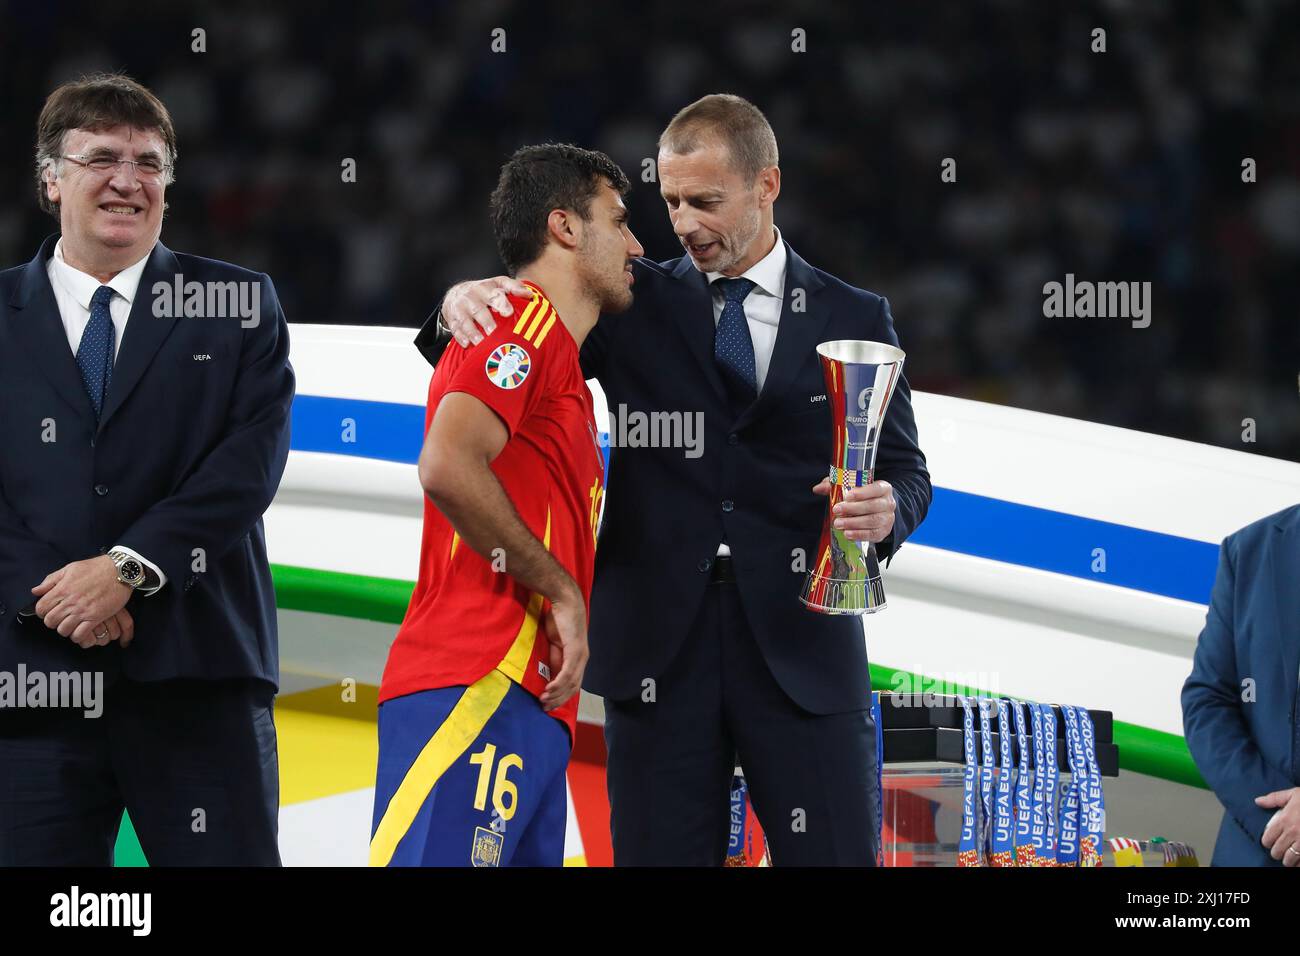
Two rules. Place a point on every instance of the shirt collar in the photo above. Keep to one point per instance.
(82, 286)
(767, 273)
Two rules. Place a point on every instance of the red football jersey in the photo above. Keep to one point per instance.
(466, 618)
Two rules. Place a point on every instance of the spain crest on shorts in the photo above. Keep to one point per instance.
(508, 365)
(487, 847)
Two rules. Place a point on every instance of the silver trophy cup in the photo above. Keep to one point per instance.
(844, 577)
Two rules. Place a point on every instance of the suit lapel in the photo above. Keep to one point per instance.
(37, 325)
(797, 334)
(695, 321)
(145, 331)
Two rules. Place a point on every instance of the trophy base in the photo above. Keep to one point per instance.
(831, 596)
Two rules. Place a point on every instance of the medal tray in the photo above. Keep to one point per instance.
(915, 732)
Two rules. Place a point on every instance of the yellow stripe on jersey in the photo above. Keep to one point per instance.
(538, 316)
(455, 540)
(527, 313)
(521, 649)
(453, 737)
(545, 328)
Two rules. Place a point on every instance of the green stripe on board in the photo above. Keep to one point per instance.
(128, 852)
(1141, 749)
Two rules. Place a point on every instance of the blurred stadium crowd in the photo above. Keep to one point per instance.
(1115, 166)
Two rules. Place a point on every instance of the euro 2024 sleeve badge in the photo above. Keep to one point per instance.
(508, 365)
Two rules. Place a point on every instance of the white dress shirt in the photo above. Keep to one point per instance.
(73, 290)
(762, 311)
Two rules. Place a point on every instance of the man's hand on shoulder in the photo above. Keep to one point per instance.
(467, 307)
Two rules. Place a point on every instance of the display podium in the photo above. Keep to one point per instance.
(923, 779)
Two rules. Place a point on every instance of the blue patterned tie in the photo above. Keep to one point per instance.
(95, 353)
(733, 349)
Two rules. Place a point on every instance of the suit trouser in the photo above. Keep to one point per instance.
(194, 763)
(811, 777)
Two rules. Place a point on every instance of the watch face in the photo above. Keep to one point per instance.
(131, 569)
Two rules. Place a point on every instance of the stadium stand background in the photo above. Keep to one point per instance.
(1122, 166)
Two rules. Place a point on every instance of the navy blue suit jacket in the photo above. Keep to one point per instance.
(665, 512)
(187, 455)
(1252, 631)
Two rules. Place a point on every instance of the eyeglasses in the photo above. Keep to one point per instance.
(146, 170)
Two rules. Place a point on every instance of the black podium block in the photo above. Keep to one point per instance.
(928, 727)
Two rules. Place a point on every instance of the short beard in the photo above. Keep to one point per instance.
(745, 239)
(611, 295)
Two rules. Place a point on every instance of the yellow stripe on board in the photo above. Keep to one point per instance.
(326, 741)
(527, 313)
(546, 328)
(461, 728)
(521, 649)
(541, 314)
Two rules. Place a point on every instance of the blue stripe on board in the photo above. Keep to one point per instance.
(958, 521)
(349, 426)
(1067, 544)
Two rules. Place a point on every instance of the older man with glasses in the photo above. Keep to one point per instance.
(142, 445)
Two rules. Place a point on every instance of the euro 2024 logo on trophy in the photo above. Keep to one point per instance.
(860, 381)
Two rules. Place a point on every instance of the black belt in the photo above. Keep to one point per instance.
(724, 572)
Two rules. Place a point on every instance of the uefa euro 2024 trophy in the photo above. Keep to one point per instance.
(860, 378)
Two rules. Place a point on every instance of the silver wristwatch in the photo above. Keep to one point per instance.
(130, 571)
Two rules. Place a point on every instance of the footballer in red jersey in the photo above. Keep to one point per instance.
(480, 693)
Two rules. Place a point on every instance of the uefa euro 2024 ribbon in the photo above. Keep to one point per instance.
(967, 849)
(1003, 824)
(1094, 799)
(1024, 791)
(1051, 777)
(985, 836)
(1068, 848)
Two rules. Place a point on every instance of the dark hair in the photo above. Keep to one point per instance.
(97, 102)
(727, 119)
(538, 179)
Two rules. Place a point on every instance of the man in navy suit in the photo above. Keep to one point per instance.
(698, 642)
(1239, 704)
(144, 413)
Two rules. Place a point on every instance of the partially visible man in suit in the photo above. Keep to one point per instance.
(698, 642)
(144, 413)
(1239, 704)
